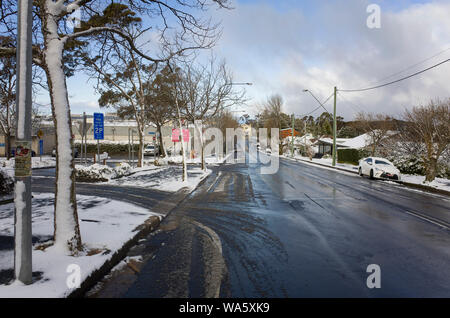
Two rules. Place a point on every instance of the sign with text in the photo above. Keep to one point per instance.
(99, 127)
(176, 135)
(23, 159)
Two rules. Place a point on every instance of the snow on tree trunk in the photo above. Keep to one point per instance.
(199, 128)
(67, 232)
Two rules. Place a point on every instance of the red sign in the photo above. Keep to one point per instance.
(176, 135)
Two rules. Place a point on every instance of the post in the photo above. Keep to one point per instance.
(98, 151)
(334, 127)
(293, 135)
(83, 134)
(129, 147)
(132, 146)
(22, 197)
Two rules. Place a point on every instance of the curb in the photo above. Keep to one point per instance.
(150, 225)
(406, 184)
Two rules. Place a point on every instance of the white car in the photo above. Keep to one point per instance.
(375, 167)
(268, 150)
(150, 150)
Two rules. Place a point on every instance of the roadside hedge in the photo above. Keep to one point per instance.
(351, 156)
(109, 148)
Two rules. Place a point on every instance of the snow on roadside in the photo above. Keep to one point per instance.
(37, 162)
(105, 225)
(438, 183)
(164, 178)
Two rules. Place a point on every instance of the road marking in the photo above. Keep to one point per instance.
(314, 201)
(215, 181)
(429, 219)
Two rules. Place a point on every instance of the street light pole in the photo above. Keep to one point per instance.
(334, 127)
(22, 197)
(293, 135)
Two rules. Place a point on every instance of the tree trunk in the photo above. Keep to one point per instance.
(202, 146)
(67, 231)
(161, 145)
(141, 149)
(431, 169)
(8, 145)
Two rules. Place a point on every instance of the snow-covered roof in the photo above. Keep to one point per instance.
(355, 143)
(358, 142)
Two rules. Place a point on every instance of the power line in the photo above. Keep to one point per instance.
(396, 81)
(321, 105)
(352, 105)
(412, 66)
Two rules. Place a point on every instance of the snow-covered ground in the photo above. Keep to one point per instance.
(37, 162)
(438, 183)
(105, 226)
(164, 178)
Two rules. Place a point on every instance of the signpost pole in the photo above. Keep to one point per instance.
(129, 147)
(98, 149)
(22, 197)
(99, 129)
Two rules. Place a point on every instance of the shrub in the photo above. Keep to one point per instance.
(351, 156)
(416, 166)
(100, 173)
(110, 148)
(6, 183)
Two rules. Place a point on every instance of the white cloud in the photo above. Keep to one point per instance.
(284, 52)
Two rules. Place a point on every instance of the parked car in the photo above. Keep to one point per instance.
(75, 152)
(268, 150)
(150, 150)
(375, 167)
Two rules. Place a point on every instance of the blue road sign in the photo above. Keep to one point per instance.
(151, 133)
(99, 128)
(41, 147)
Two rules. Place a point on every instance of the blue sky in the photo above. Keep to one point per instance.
(285, 46)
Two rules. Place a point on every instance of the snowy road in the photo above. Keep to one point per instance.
(303, 232)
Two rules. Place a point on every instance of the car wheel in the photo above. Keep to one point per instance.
(371, 174)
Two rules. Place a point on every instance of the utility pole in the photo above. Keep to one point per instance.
(334, 127)
(129, 147)
(22, 197)
(293, 135)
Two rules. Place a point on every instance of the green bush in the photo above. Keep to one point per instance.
(416, 166)
(109, 148)
(351, 156)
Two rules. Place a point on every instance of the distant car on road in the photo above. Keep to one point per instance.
(375, 167)
(150, 150)
(75, 152)
(268, 150)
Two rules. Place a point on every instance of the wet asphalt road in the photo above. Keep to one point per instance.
(302, 232)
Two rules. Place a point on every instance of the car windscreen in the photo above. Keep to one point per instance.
(380, 162)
